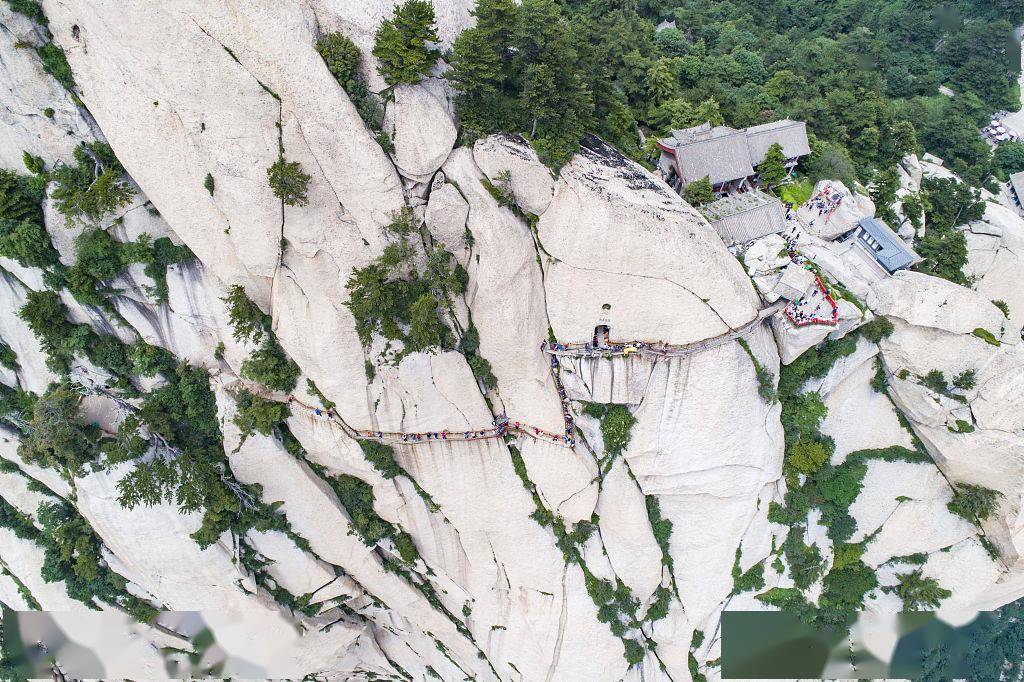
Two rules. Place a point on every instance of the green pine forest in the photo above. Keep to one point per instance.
(864, 74)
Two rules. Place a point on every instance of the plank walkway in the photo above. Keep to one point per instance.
(658, 348)
(502, 425)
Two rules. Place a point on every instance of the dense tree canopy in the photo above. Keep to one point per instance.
(1009, 157)
(944, 248)
(864, 73)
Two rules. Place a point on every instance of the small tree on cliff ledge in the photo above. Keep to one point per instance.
(402, 44)
(288, 182)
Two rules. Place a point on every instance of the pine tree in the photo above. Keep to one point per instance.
(918, 592)
(541, 92)
(55, 437)
(28, 243)
(661, 82)
(288, 182)
(699, 192)
(709, 111)
(883, 193)
(342, 57)
(18, 198)
(773, 168)
(975, 503)
(402, 43)
(479, 76)
(94, 186)
(543, 41)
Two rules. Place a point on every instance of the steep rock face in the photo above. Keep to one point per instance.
(906, 505)
(170, 129)
(507, 299)
(32, 372)
(192, 88)
(686, 451)
(316, 515)
(613, 230)
(851, 404)
(995, 248)
(28, 94)
(189, 134)
(626, 530)
(927, 301)
(446, 215)
(529, 180)
(989, 451)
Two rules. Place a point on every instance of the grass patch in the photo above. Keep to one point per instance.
(796, 193)
(987, 336)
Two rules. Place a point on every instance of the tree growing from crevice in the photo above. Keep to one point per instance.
(343, 60)
(55, 435)
(288, 182)
(975, 503)
(918, 592)
(399, 300)
(267, 364)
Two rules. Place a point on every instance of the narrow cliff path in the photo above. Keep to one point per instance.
(503, 425)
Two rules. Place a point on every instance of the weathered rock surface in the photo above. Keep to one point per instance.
(613, 231)
(493, 593)
(995, 249)
(829, 225)
(28, 94)
(422, 130)
(906, 505)
(685, 452)
(852, 404)
(626, 532)
(446, 216)
(926, 301)
(529, 180)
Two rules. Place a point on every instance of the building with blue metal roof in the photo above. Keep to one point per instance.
(883, 245)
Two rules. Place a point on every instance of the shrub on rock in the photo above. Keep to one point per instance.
(341, 56)
(975, 503)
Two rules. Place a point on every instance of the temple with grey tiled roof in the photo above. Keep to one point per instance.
(739, 218)
(726, 156)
